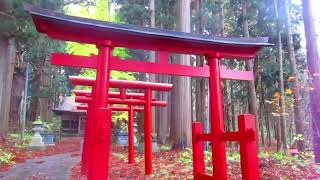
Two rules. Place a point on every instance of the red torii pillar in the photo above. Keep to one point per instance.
(101, 116)
(131, 109)
(147, 103)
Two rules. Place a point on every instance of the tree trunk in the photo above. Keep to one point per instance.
(200, 83)
(140, 116)
(281, 84)
(296, 90)
(7, 61)
(313, 61)
(249, 63)
(152, 58)
(162, 116)
(16, 97)
(181, 107)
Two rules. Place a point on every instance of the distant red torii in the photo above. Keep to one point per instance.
(122, 97)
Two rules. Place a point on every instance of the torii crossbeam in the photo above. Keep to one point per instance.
(106, 36)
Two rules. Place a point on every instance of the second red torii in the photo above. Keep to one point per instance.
(136, 99)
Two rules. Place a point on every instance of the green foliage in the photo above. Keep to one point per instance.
(100, 11)
(118, 115)
(264, 154)
(164, 147)
(233, 156)
(5, 157)
(121, 156)
(207, 156)
(186, 157)
(53, 125)
(18, 142)
(133, 12)
(279, 156)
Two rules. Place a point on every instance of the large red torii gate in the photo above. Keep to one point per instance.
(109, 35)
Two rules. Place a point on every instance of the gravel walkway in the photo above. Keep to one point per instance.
(56, 167)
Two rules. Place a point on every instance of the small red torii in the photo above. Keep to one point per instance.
(106, 36)
(130, 108)
(121, 97)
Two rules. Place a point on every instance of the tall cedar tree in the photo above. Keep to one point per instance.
(180, 130)
(296, 91)
(313, 61)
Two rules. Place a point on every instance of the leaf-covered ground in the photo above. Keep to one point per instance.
(20, 155)
(177, 165)
(166, 164)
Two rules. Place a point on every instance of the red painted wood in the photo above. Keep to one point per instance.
(82, 99)
(82, 81)
(205, 177)
(111, 94)
(204, 137)
(82, 107)
(122, 93)
(99, 159)
(217, 121)
(77, 29)
(74, 60)
(162, 67)
(232, 136)
(248, 147)
(87, 147)
(112, 108)
(148, 132)
(131, 134)
(115, 83)
(197, 150)
(163, 57)
(158, 68)
(226, 73)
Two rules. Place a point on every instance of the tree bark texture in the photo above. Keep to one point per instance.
(152, 58)
(313, 61)
(7, 61)
(181, 108)
(200, 83)
(296, 91)
(249, 64)
(281, 84)
(16, 97)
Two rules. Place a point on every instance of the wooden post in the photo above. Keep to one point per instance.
(219, 159)
(197, 150)
(131, 134)
(248, 147)
(98, 168)
(87, 144)
(148, 132)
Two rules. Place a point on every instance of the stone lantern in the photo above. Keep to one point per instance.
(36, 140)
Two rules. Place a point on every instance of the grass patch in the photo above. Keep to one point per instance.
(5, 157)
(18, 142)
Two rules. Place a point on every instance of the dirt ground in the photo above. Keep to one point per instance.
(166, 165)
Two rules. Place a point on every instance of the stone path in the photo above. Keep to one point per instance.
(55, 167)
